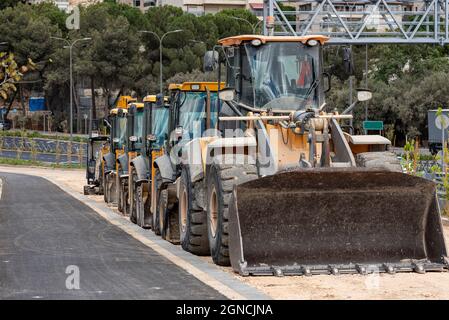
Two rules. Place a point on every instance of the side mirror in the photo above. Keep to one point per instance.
(227, 94)
(364, 94)
(178, 133)
(348, 64)
(327, 85)
(159, 100)
(210, 61)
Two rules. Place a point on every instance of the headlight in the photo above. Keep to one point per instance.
(151, 138)
(312, 42)
(133, 138)
(256, 42)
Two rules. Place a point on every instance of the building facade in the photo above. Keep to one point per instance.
(66, 5)
(200, 7)
(143, 5)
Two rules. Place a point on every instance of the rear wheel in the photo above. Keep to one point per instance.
(132, 197)
(192, 219)
(382, 160)
(220, 183)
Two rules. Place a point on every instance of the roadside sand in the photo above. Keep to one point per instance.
(398, 286)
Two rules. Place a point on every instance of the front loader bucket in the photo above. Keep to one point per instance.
(331, 221)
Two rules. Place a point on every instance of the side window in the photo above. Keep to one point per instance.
(247, 92)
(232, 75)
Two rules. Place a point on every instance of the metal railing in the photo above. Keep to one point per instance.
(362, 21)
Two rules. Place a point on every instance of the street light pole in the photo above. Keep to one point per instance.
(160, 39)
(253, 26)
(70, 47)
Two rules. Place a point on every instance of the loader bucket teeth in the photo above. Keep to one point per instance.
(335, 221)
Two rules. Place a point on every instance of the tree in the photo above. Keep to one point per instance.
(11, 73)
(118, 59)
(195, 75)
(111, 58)
(9, 3)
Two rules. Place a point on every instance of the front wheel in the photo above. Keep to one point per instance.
(155, 215)
(105, 189)
(192, 218)
(220, 183)
(166, 211)
(132, 196)
(142, 204)
(123, 197)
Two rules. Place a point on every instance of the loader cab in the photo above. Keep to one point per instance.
(117, 119)
(274, 73)
(155, 124)
(96, 146)
(191, 112)
(135, 126)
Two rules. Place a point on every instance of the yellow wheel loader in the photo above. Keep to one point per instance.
(132, 146)
(190, 117)
(97, 147)
(117, 128)
(284, 189)
(147, 143)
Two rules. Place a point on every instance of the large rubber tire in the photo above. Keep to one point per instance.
(155, 221)
(105, 189)
(120, 203)
(142, 208)
(101, 181)
(167, 218)
(132, 189)
(123, 198)
(192, 219)
(381, 160)
(220, 183)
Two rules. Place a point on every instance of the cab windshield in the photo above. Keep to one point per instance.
(138, 123)
(280, 75)
(160, 125)
(120, 131)
(192, 113)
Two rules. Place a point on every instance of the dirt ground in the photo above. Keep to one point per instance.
(384, 286)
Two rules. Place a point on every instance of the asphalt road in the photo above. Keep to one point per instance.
(44, 233)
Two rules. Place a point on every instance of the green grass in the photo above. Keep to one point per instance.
(20, 162)
(34, 134)
(422, 157)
